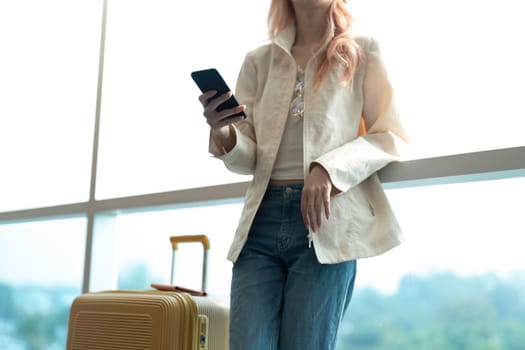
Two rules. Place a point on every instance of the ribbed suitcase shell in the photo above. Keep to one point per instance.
(145, 320)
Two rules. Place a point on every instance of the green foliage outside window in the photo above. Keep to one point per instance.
(441, 312)
(437, 312)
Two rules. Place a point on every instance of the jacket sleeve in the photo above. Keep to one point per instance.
(242, 158)
(385, 140)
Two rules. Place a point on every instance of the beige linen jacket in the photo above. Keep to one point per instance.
(362, 223)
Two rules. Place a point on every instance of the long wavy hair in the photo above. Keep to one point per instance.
(341, 49)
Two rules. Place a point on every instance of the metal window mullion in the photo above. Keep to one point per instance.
(94, 160)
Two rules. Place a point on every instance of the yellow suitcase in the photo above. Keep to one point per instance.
(151, 319)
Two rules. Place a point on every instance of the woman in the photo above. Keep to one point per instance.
(315, 204)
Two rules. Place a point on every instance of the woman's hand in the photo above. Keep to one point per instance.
(315, 198)
(219, 121)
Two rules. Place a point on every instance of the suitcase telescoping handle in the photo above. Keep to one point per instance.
(175, 240)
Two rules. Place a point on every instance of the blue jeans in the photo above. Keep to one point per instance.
(281, 296)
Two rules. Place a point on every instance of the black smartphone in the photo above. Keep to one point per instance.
(211, 79)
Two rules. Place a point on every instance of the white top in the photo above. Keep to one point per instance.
(289, 162)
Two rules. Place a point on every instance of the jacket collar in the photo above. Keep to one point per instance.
(286, 38)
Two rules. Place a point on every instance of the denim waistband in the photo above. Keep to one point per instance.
(284, 191)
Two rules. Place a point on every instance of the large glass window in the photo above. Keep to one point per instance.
(458, 282)
(153, 136)
(48, 84)
(456, 67)
(143, 252)
(41, 269)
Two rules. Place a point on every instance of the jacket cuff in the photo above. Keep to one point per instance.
(217, 150)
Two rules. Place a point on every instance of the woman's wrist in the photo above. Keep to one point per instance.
(225, 141)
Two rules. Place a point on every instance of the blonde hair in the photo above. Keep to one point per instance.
(342, 48)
